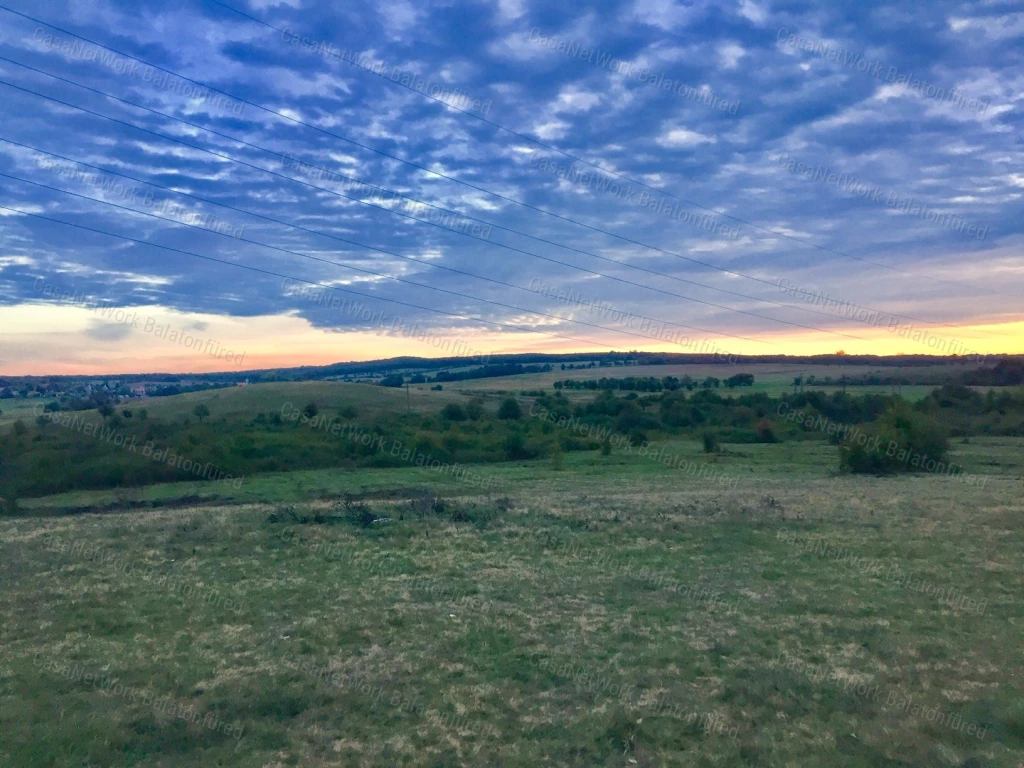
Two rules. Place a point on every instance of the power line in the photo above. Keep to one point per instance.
(360, 269)
(298, 279)
(334, 237)
(424, 221)
(466, 216)
(601, 168)
(445, 176)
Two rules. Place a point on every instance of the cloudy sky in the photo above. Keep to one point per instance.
(361, 180)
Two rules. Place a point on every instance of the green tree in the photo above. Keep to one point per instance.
(453, 412)
(904, 440)
(509, 409)
(201, 412)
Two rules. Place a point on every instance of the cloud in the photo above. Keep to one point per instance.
(681, 137)
(729, 54)
(1005, 27)
(695, 99)
(101, 331)
(664, 14)
(753, 11)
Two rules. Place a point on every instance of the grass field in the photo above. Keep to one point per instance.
(14, 408)
(772, 379)
(609, 612)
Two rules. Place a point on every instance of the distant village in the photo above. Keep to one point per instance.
(68, 388)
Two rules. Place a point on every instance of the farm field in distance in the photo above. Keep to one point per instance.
(771, 378)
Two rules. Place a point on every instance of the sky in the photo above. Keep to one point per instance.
(203, 186)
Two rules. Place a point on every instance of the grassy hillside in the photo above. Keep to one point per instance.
(605, 613)
(243, 432)
(230, 433)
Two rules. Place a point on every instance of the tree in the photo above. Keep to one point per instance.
(201, 412)
(453, 412)
(106, 410)
(310, 410)
(510, 409)
(393, 380)
(740, 380)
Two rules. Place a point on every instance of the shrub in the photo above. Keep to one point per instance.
(9, 505)
(358, 514)
(606, 447)
(510, 409)
(453, 412)
(710, 443)
(475, 408)
(557, 457)
(765, 432)
(903, 441)
(348, 412)
(514, 446)
(310, 410)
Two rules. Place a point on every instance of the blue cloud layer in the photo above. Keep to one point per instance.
(870, 151)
